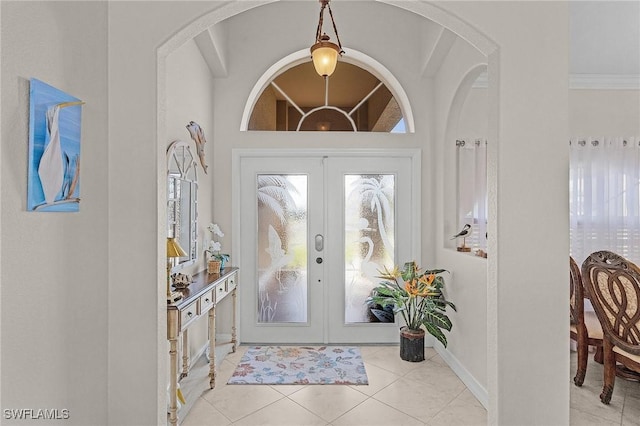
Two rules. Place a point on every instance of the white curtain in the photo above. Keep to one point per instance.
(605, 196)
(472, 189)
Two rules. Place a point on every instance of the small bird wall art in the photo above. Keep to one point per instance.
(464, 233)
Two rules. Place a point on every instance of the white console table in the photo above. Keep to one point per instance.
(199, 299)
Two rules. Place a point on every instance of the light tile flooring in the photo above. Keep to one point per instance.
(399, 393)
(586, 408)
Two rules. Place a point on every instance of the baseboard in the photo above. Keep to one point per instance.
(223, 348)
(463, 374)
(194, 358)
(197, 381)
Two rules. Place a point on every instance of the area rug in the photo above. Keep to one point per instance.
(300, 365)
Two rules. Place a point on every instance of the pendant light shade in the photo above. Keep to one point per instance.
(325, 56)
(324, 52)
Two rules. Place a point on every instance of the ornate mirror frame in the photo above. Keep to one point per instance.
(182, 200)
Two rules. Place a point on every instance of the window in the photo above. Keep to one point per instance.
(352, 99)
(471, 158)
(604, 188)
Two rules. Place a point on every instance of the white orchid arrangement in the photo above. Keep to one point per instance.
(214, 247)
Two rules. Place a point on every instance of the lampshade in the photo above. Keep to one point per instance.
(174, 249)
(324, 52)
(325, 56)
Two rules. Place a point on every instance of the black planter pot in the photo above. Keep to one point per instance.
(411, 345)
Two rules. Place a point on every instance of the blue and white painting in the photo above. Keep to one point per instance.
(54, 149)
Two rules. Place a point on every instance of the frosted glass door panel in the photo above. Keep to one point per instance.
(370, 214)
(282, 248)
(314, 231)
(369, 237)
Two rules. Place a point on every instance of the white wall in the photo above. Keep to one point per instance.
(604, 112)
(474, 117)
(54, 265)
(528, 90)
(137, 322)
(592, 112)
(190, 98)
(467, 286)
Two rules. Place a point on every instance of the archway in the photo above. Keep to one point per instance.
(430, 12)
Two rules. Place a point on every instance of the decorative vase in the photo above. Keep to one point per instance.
(411, 344)
(213, 266)
(222, 262)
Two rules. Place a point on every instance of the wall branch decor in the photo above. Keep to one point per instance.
(197, 134)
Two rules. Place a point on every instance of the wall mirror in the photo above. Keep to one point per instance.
(182, 200)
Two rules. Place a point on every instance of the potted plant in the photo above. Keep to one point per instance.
(216, 260)
(418, 296)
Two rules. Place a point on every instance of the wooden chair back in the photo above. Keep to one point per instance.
(585, 327)
(576, 293)
(613, 284)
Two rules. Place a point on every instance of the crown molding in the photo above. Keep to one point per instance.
(586, 81)
(605, 81)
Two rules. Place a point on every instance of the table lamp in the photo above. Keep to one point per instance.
(173, 251)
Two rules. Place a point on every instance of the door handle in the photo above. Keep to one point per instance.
(319, 242)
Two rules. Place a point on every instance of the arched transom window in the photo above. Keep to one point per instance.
(352, 99)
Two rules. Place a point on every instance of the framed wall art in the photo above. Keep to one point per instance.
(53, 182)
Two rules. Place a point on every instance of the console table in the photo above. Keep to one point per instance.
(199, 299)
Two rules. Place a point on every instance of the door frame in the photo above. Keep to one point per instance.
(415, 154)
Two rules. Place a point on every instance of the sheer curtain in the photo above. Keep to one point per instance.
(605, 196)
(472, 189)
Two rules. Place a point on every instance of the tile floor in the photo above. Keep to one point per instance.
(399, 393)
(586, 408)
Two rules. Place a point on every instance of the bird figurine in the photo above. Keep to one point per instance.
(464, 233)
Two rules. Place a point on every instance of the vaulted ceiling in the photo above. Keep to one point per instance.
(604, 41)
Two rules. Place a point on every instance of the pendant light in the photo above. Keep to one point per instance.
(324, 52)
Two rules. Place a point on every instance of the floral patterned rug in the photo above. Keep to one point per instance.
(300, 365)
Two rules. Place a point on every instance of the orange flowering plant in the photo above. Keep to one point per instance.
(418, 296)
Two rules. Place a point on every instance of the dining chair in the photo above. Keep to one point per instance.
(613, 284)
(585, 327)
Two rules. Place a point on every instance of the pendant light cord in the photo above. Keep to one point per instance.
(325, 3)
(335, 30)
(320, 20)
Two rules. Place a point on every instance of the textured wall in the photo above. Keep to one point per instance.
(263, 116)
(54, 265)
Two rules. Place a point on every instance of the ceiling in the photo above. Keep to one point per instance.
(604, 37)
(604, 40)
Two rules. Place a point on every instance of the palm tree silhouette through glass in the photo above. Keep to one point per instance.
(370, 238)
(279, 278)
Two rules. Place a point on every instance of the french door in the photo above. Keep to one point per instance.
(315, 229)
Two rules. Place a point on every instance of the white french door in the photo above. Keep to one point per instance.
(314, 229)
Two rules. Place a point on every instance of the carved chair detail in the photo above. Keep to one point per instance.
(585, 327)
(613, 284)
